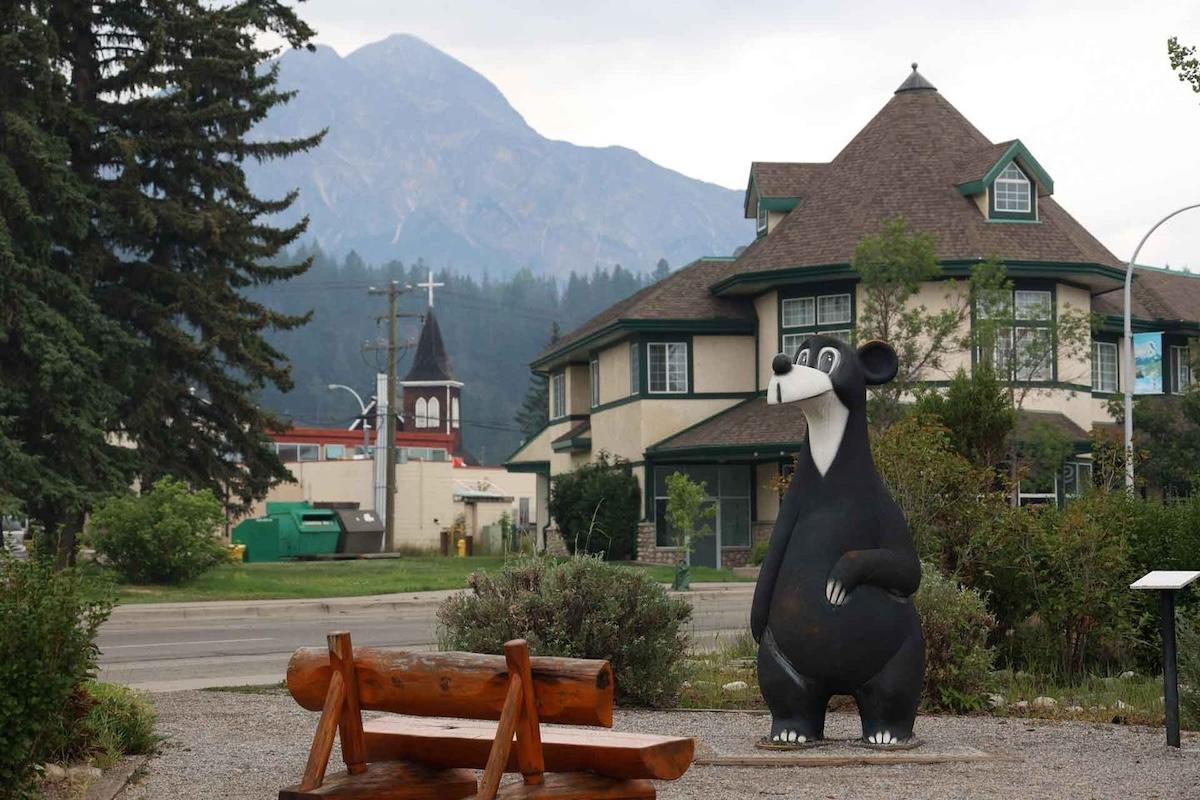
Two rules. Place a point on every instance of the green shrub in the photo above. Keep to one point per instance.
(48, 624)
(951, 505)
(1163, 536)
(1078, 568)
(956, 624)
(105, 721)
(579, 608)
(1189, 672)
(166, 535)
(758, 553)
(597, 507)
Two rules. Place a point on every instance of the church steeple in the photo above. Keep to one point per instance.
(430, 362)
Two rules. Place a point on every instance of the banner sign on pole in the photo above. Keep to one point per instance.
(1148, 363)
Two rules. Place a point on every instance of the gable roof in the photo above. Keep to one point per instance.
(430, 362)
(681, 296)
(983, 167)
(779, 180)
(908, 161)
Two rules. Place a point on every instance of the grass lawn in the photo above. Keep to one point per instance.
(288, 581)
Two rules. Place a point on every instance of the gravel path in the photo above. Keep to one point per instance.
(245, 747)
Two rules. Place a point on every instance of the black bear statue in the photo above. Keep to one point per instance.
(833, 612)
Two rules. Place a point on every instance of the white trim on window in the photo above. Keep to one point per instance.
(435, 414)
(594, 380)
(667, 367)
(558, 395)
(454, 421)
(421, 413)
(799, 312)
(635, 369)
(762, 220)
(833, 309)
(1105, 375)
(1011, 191)
(1181, 369)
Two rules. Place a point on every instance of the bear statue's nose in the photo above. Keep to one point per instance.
(781, 364)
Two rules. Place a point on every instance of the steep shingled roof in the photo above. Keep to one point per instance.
(908, 160)
(784, 179)
(747, 425)
(430, 362)
(681, 295)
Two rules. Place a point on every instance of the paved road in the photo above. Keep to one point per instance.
(206, 645)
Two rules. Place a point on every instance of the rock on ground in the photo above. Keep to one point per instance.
(245, 747)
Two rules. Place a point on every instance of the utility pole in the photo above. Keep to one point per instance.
(393, 290)
(393, 347)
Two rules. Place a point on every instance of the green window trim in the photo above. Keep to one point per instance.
(800, 329)
(1016, 323)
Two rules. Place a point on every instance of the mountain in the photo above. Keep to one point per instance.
(425, 158)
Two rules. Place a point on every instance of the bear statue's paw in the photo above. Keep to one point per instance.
(836, 593)
(883, 737)
(789, 737)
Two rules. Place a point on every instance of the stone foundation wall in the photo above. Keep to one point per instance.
(555, 546)
(762, 530)
(648, 552)
(735, 557)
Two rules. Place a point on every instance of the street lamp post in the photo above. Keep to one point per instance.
(362, 410)
(1129, 367)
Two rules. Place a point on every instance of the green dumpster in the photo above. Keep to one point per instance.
(261, 538)
(304, 530)
(289, 530)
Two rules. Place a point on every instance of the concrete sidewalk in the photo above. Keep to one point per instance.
(142, 613)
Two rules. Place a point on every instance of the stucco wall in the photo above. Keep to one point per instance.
(766, 306)
(614, 372)
(1076, 405)
(619, 431)
(723, 363)
(662, 418)
(579, 389)
(1074, 367)
(424, 492)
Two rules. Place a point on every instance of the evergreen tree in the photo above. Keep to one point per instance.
(661, 270)
(172, 89)
(534, 412)
(57, 400)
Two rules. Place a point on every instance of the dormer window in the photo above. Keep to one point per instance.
(762, 220)
(1012, 190)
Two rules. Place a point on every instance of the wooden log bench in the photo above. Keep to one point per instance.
(405, 759)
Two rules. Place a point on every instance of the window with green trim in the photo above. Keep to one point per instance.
(727, 486)
(1181, 369)
(801, 317)
(558, 395)
(1012, 190)
(667, 367)
(1104, 367)
(761, 226)
(594, 379)
(1019, 339)
(635, 369)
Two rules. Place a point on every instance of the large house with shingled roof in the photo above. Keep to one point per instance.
(674, 377)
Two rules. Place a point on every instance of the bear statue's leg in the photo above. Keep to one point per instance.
(797, 703)
(887, 703)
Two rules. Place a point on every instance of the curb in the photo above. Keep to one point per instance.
(140, 613)
(113, 782)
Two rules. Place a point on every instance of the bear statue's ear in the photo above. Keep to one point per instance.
(878, 361)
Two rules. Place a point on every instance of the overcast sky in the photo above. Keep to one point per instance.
(706, 87)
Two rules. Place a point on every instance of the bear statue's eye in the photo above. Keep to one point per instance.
(827, 359)
(802, 357)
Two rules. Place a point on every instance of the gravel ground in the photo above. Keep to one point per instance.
(245, 747)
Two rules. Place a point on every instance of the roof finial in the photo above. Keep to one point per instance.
(915, 82)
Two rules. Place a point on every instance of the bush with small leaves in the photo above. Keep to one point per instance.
(956, 624)
(577, 608)
(166, 535)
(48, 625)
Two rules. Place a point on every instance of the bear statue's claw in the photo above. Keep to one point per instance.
(835, 593)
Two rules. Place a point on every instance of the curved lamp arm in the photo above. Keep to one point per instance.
(1129, 368)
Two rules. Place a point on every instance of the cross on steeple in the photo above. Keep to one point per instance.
(430, 285)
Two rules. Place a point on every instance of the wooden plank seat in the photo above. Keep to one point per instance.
(393, 758)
